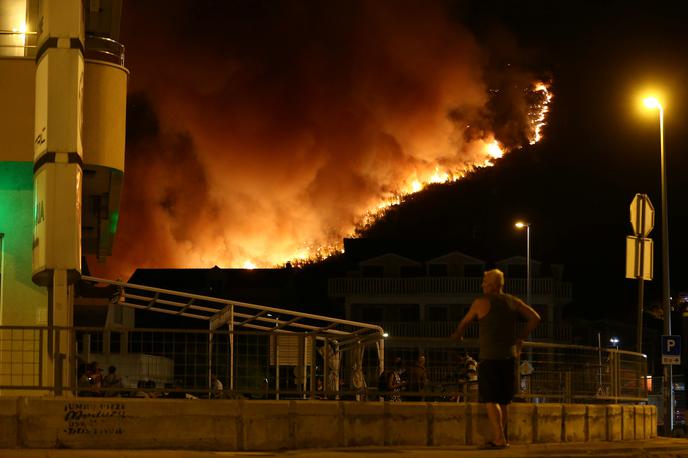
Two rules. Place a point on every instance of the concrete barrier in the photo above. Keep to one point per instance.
(8, 423)
(99, 423)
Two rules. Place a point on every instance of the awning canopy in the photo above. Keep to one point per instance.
(239, 315)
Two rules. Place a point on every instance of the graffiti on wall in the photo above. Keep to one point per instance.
(93, 418)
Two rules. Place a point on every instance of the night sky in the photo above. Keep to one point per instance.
(263, 127)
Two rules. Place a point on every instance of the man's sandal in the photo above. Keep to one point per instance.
(492, 446)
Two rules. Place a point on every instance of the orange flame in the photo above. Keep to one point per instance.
(539, 110)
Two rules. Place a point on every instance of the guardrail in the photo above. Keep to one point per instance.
(179, 363)
(443, 286)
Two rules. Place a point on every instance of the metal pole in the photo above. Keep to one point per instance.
(666, 299)
(313, 360)
(641, 294)
(641, 271)
(210, 364)
(231, 348)
(599, 362)
(528, 270)
(277, 367)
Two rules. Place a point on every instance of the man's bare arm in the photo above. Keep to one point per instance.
(532, 319)
(472, 314)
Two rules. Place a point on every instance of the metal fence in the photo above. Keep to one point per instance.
(546, 372)
(656, 398)
(263, 365)
(182, 363)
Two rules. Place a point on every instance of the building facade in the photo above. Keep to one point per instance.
(419, 304)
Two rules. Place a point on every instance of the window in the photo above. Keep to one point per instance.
(373, 271)
(370, 314)
(517, 271)
(411, 271)
(437, 270)
(473, 270)
(409, 313)
(437, 313)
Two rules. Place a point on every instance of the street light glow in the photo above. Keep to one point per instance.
(652, 102)
(668, 401)
(526, 225)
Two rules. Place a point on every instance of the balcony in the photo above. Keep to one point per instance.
(440, 286)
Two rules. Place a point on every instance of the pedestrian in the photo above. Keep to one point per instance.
(112, 382)
(497, 314)
(417, 379)
(394, 381)
(95, 377)
(83, 381)
(216, 387)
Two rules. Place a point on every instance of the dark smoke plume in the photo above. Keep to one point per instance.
(262, 130)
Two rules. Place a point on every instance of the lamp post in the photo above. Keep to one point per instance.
(521, 225)
(653, 103)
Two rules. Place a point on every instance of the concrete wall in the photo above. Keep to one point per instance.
(271, 425)
(21, 301)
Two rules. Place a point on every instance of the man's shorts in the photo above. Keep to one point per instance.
(497, 380)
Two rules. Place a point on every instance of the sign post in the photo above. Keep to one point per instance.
(671, 350)
(639, 253)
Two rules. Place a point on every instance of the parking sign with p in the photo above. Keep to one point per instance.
(671, 350)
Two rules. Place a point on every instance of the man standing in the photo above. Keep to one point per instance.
(497, 314)
(417, 379)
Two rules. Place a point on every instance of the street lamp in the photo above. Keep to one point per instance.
(653, 103)
(614, 341)
(521, 225)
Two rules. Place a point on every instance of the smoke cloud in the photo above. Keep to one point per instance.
(262, 131)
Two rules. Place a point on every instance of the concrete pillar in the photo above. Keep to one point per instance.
(58, 360)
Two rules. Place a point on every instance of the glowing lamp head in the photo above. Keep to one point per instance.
(521, 224)
(652, 103)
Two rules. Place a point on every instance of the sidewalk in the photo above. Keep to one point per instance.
(655, 448)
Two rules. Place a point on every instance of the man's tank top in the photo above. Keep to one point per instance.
(498, 328)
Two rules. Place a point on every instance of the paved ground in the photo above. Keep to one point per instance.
(656, 448)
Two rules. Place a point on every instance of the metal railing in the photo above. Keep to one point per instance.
(264, 365)
(181, 362)
(547, 372)
(443, 286)
(445, 328)
(105, 49)
(16, 43)
(21, 356)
